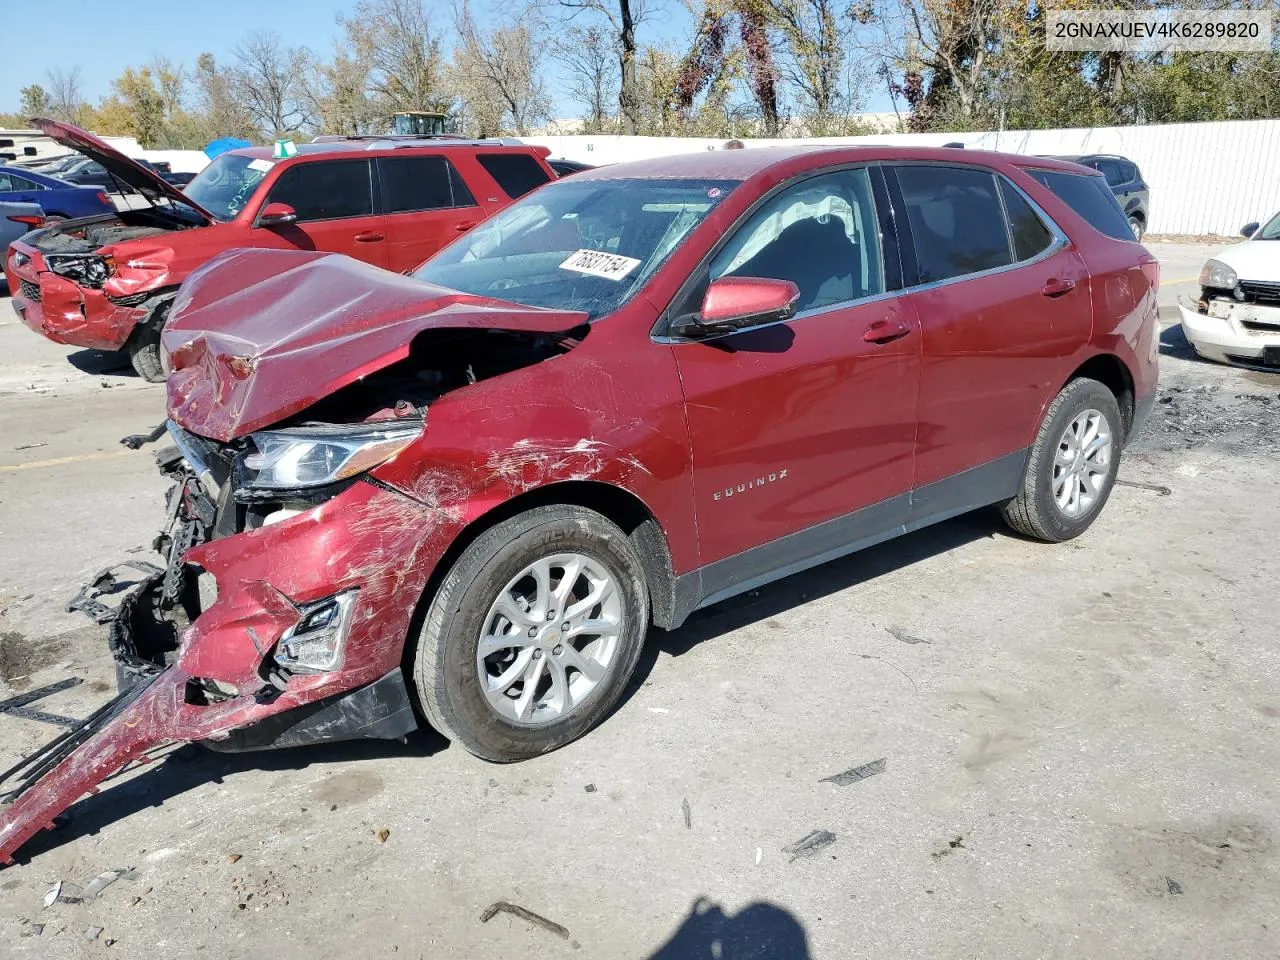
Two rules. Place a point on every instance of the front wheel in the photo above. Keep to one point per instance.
(533, 634)
(1072, 466)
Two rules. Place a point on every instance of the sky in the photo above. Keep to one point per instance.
(105, 39)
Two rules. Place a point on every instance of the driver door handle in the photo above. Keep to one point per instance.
(886, 331)
(369, 236)
(1057, 287)
(464, 227)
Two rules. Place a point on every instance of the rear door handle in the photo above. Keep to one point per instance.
(1055, 287)
(464, 227)
(885, 331)
(369, 236)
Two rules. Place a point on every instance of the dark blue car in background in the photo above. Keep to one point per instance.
(58, 200)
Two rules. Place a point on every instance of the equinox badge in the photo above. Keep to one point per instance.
(760, 481)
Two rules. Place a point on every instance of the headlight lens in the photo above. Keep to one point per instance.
(1218, 275)
(293, 459)
(90, 270)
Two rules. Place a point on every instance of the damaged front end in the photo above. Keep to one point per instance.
(289, 573)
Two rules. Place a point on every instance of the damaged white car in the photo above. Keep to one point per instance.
(1237, 317)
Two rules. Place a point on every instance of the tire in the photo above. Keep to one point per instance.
(447, 664)
(1138, 228)
(1036, 511)
(143, 347)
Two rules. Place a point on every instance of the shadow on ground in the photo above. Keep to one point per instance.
(102, 362)
(759, 931)
(190, 766)
(1174, 343)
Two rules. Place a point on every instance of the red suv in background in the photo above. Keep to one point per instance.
(107, 282)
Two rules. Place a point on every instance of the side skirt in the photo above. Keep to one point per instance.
(980, 486)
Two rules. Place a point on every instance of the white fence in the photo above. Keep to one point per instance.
(1205, 178)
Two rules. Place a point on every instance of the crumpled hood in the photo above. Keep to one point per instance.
(255, 336)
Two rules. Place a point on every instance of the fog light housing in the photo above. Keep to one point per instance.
(316, 642)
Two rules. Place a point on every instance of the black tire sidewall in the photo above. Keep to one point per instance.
(1081, 395)
(447, 648)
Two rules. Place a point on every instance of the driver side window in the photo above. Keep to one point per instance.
(821, 234)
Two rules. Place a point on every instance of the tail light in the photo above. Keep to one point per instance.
(30, 220)
(103, 198)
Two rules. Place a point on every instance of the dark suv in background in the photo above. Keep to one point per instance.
(1125, 180)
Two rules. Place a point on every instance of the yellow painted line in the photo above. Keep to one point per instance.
(1174, 283)
(59, 461)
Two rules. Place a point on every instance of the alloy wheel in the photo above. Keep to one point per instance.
(1082, 463)
(550, 639)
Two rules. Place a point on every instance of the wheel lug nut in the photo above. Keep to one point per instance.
(533, 632)
(537, 654)
(564, 627)
(559, 649)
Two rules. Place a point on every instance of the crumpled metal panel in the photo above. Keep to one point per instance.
(256, 336)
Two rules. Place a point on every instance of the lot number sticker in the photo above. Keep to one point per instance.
(611, 266)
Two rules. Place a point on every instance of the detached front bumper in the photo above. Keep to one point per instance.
(223, 685)
(61, 311)
(1240, 333)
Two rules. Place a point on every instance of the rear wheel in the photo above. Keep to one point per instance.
(1138, 227)
(533, 634)
(1072, 466)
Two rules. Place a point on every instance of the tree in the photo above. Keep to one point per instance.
(623, 16)
(35, 102)
(145, 105)
(497, 78)
(406, 64)
(814, 34)
(270, 83)
(590, 58)
(66, 96)
(220, 111)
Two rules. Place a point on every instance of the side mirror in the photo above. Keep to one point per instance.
(1249, 229)
(276, 214)
(736, 303)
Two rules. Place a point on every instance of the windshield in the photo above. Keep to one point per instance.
(579, 244)
(1271, 231)
(226, 184)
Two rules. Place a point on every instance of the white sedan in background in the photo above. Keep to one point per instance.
(1237, 318)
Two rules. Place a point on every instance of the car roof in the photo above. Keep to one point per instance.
(751, 161)
(363, 145)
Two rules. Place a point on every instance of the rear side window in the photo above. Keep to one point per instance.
(11, 181)
(515, 173)
(1111, 171)
(421, 183)
(1030, 235)
(1090, 197)
(326, 189)
(957, 223)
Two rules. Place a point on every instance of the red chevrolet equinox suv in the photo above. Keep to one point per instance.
(107, 282)
(463, 496)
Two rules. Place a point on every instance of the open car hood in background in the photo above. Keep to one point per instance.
(150, 185)
(256, 336)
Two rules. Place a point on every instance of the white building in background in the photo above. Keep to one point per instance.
(872, 122)
(21, 145)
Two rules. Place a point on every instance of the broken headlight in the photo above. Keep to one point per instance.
(314, 644)
(89, 270)
(1218, 275)
(318, 456)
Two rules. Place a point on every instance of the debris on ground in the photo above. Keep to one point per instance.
(30, 446)
(382, 835)
(1175, 888)
(590, 788)
(234, 857)
(63, 892)
(688, 813)
(32, 930)
(901, 635)
(809, 844)
(955, 844)
(1189, 417)
(104, 880)
(92, 933)
(857, 773)
(1157, 488)
(529, 916)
